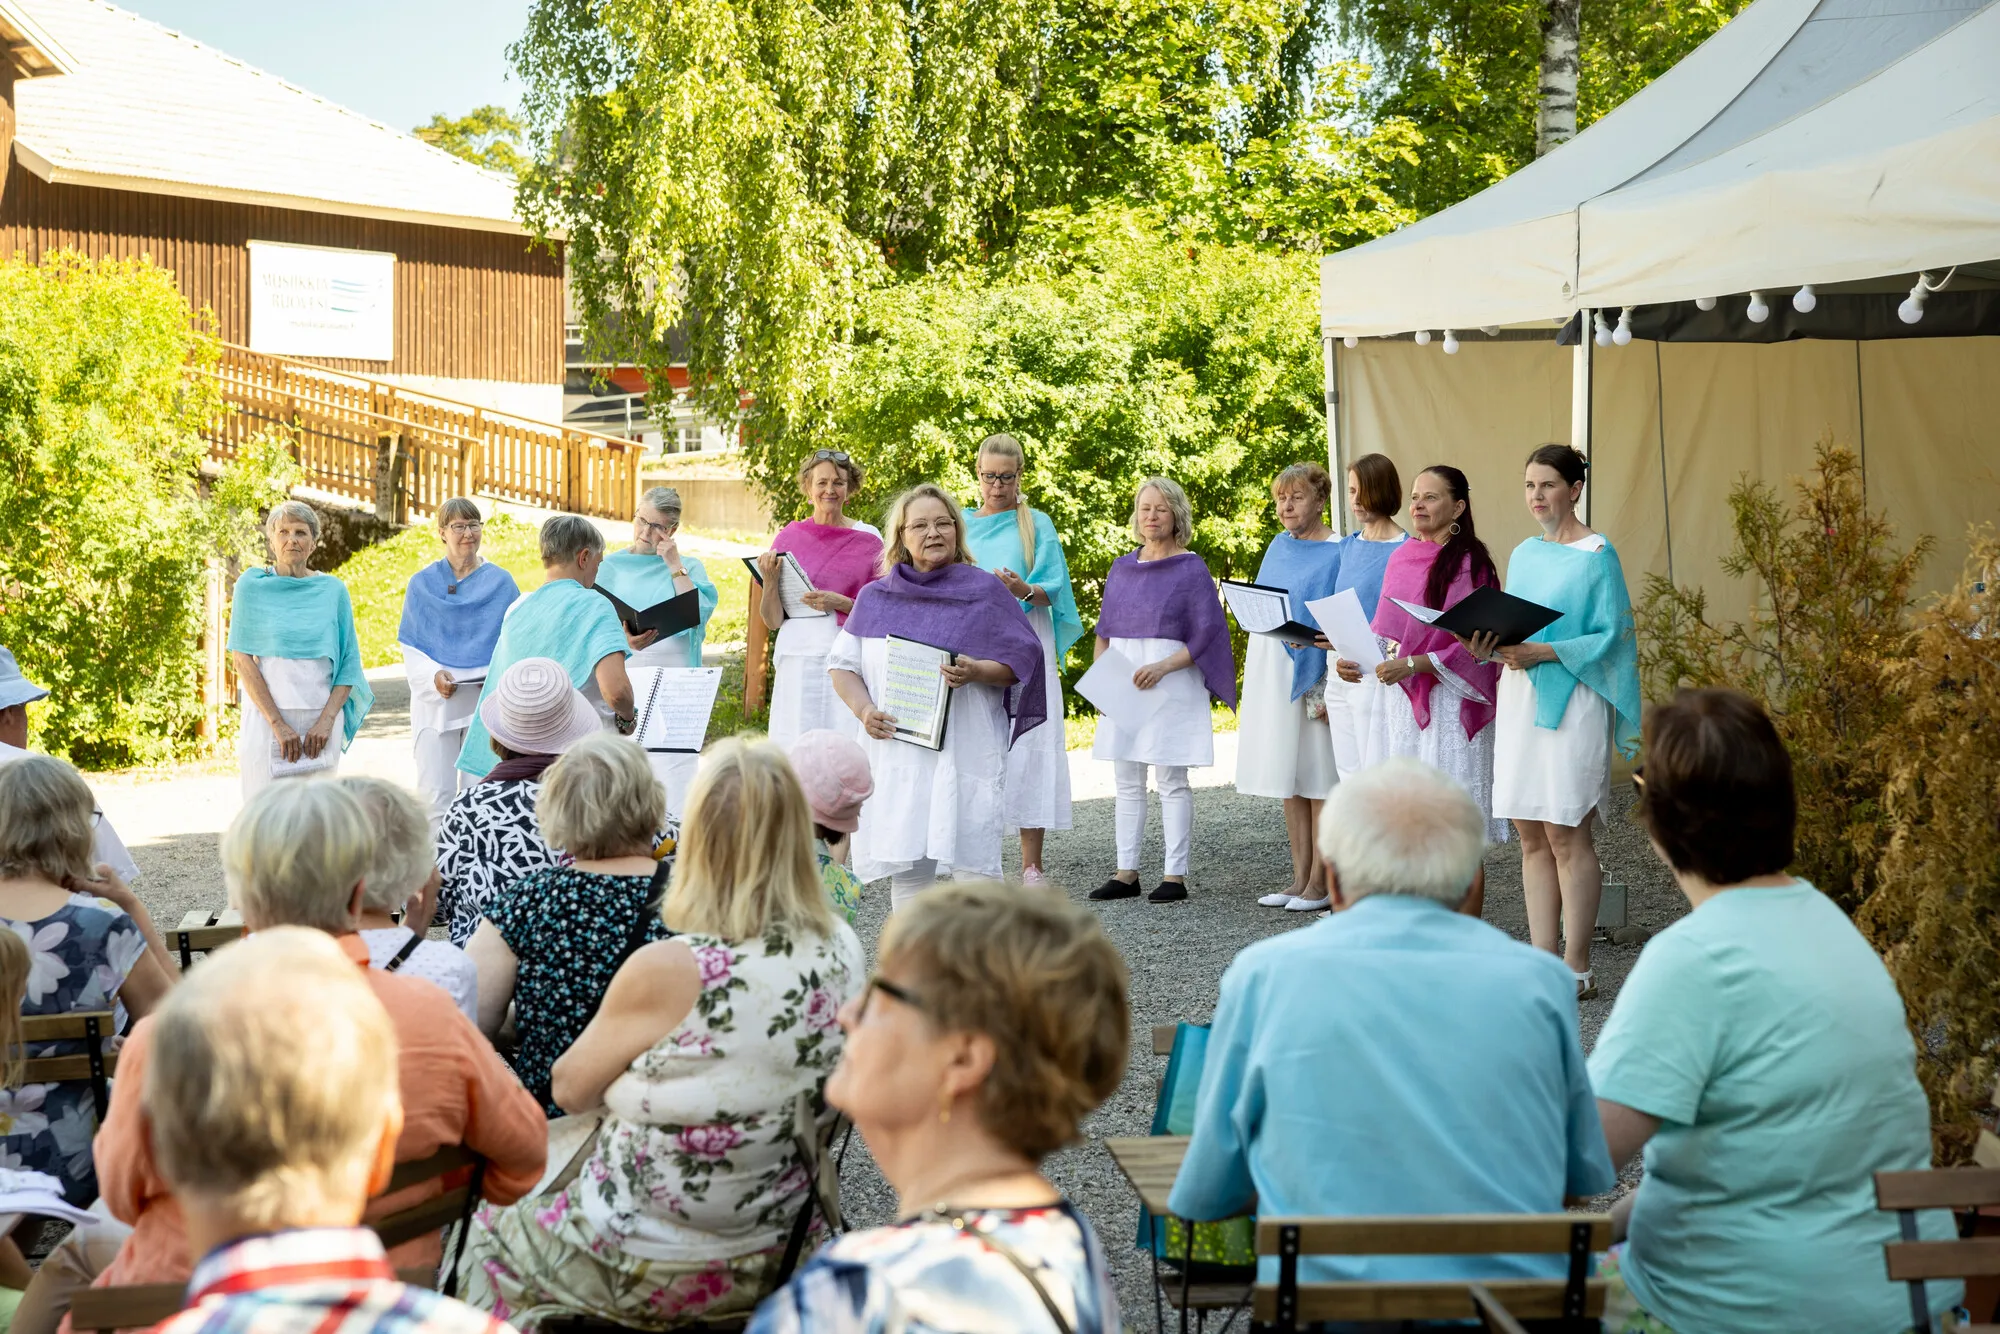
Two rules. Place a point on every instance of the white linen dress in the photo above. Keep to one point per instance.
(802, 698)
(294, 683)
(1280, 750)
(1181, 734)
(437, 726)
(1038, 795)
(1557, 776)
(944, 805)
(1443, 745)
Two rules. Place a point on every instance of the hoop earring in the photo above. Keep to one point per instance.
(1454, 530)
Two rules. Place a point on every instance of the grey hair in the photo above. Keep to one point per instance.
(404, 856)
(567, 536)
(664, 499)
(600, 799)
(294, 853)
(292, 509)
(1402, 827)
(1177, 501)
(458, 507)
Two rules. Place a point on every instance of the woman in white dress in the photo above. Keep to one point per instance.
(940, 807)
(839, 555)
(1021, 547)
(292, 639)
(1552, 749)
(1353, 700)
(452, 612)
(1440, 710)
(1161, 614)
(1283, 747)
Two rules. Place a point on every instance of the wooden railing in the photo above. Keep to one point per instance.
(407, 452)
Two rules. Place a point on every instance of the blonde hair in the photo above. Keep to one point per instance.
(1007, 447)
(894, 551)
(600, 799)
(294, 853)
(1309, 475)
(273, 1077)
(847, 466)
(404, 856)
(1035, 973)
(745, 862)
(45, 814)
(1177, 501)
(15, 965)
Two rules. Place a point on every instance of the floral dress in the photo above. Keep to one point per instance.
(682, 1211)
(80, 955)
(842, 886)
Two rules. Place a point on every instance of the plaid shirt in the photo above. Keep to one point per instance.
(315, 1281)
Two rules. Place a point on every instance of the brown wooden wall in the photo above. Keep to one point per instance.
(469, 304)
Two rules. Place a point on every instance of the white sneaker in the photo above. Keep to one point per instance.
(1298, 903)
(1032, 875)
(1278, 900)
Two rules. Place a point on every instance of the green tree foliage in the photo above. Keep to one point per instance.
(101, 570)
(1824, 649)
(488, 135)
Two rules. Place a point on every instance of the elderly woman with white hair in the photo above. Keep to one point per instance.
(402, 876)
(292, 638)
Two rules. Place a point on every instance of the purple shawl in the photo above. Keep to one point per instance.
(962, 609)
(1173, 598)
(837, 560)
(1404, 578)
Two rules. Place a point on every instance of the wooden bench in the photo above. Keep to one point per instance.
(91, 1027)
(202, 930)
(140, 1305)
(1914, 1261)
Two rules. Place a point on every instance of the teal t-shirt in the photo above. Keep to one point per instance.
(1766, 1036)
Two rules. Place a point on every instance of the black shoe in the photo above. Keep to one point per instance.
(1115, 888)
(1168, 891)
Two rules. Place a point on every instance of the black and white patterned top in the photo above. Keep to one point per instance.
(486, 841)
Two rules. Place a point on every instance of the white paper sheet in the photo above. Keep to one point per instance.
(464, 700)
(1257, 610)
(301, 721)
(914, 692)
(674, 706)
(793, 585)
(1424, 614)
(1347, 629)
(1108, 685)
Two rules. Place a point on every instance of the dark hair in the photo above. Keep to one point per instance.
(1463, 547)
(1568, 463)
(503, 752)
(826, 835)
(1380, 490)
(1717, 788)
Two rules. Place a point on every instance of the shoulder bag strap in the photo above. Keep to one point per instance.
(402, 956)
(648, 911)
(1007, 1253)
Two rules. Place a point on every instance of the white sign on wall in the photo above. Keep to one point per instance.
(318, 301)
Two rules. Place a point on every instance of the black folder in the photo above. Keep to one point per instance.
(1488, 610)
(677, 613)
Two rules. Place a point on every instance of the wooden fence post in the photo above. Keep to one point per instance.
(391, 500)
(756, 653)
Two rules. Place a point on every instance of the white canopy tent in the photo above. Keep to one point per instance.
(1842, 143)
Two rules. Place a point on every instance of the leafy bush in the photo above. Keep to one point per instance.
(1824, 648)
(106, 525)
(1935, 912)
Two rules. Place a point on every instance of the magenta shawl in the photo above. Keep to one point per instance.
(837, 560)
(1404, 578)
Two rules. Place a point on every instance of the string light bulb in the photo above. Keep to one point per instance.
(1704, 303)
(1350, 341)
(1622, 335)
(1423, 338)
(1603, 331)
(1912, 308)
(1450, 343)
(1757, 310)
(1490, 330)
(1805, 299)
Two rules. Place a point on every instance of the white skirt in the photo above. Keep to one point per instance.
(437, 729)
(802, 698)
(1444, 746)
(294, 683)
(1556, 775)
(1181, 733)
(1280, 750)
(1038, 763)
(1354, 719)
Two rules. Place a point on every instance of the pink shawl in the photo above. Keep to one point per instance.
(1408, 568)
(837, 560)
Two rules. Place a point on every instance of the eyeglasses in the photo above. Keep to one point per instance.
(652, 527)
(464, 529)
(890, 989)
(830, 455)
(932, 526)
(999, 478)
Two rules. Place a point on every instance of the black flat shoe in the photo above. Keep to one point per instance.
(1168, 891)
(1115, 888)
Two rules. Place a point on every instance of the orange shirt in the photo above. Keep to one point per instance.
(455, 1088)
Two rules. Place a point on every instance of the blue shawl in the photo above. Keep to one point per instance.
(1308, 571)
(276, 616)
(456, 629)
(1593, 638)
(995, 540)
(1361, 565)
(643, 581)
(562, 620)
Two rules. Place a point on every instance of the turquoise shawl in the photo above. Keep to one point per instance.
(562, 620)
(995, 540)
(276, 616)
(643, 582)
(1593, 638)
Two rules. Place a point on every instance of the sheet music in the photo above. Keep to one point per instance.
(1258, 610)
(1347, 628)
(914, 692)
(1108, 685)
(674, 706)
(793, 585)
(301, 721)
(463, 701)
(1424, 614)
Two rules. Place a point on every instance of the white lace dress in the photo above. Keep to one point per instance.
(1443, 745)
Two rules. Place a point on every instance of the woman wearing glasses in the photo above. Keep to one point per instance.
(647, 573)
(838, 555)
(451, 619)
(943, 806)
(1019, 545)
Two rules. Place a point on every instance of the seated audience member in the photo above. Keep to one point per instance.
(1760, 1053)
(553, 938)
(87, 935)
(1441, 1072)
(297, 855)
(702, 1047)
(403, 874)
(833, 770)
(17, 692)
(15, 966)
(488, 838)
(996, 1021)
(273, 1145)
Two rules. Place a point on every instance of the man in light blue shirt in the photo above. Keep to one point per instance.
(1396, 1058)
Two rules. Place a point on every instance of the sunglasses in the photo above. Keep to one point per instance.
(830, 455)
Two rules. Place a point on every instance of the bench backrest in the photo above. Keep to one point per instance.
(91, 1027)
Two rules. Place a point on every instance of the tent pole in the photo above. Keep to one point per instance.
(1333, 465)
(1579, 401)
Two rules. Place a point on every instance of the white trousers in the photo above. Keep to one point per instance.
(1176, 812)
(438, 778)
(906, 885)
